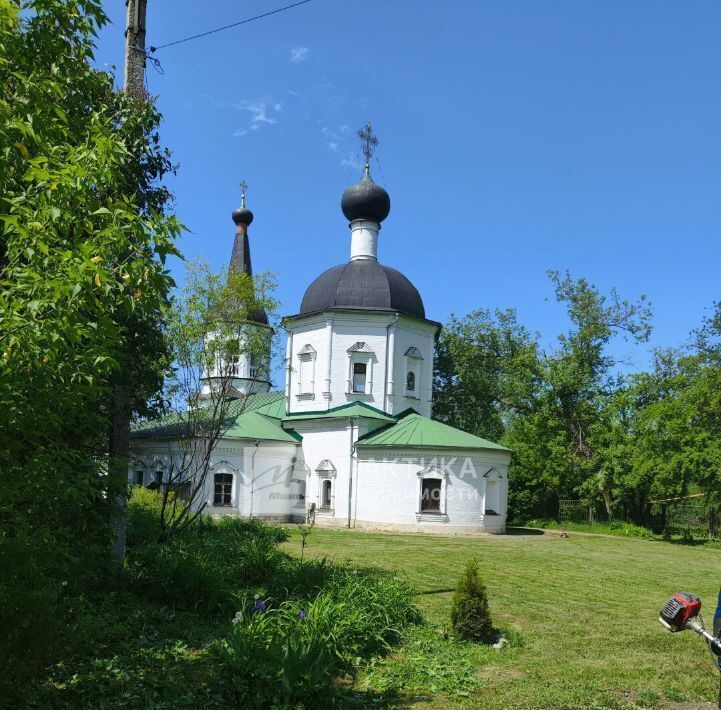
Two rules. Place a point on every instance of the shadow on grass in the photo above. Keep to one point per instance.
(373, 699)
(524, 531)
(437, 591)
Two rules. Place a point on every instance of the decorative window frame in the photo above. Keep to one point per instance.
(360, 352)
(224, 467)
(433, 472)
(326, 471)
(306, 372)
(158, 471)
(414, 364)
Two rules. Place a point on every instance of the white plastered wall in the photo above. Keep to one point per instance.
(331, 335)
(268, 480)
(387, 489)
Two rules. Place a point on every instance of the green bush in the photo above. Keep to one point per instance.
(204, 568)
(143, 516)
(470, 615)
(290, 652)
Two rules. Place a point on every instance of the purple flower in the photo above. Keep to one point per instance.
(302, 614)
(259, 606)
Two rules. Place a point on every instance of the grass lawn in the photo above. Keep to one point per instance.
(581, 613)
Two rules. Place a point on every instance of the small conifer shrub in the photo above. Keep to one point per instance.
(470, 615)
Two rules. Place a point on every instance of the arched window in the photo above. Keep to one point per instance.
(411, 382)
(327, 498)
(223, 489)
(432, 485)
(431, 495)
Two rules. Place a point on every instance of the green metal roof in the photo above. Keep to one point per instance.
(271, 404)
(251, 425)
(257, 416)
(413, 429)
(345, 411)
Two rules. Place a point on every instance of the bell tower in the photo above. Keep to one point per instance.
(249, 371)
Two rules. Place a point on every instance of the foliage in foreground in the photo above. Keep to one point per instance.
(169, 640)
(291, 653)
(83, 285)
(470, 615)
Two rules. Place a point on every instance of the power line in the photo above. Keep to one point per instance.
(227, 27)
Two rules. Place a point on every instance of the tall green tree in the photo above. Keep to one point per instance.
(486, 370)
(557, 443)
(212, 329)
(678, 441)
(83, 287)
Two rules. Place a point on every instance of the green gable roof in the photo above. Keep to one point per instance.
(251, 425)
(345, 411)
(256, 416)
(413, 429)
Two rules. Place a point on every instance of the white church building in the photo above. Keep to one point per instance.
(351, 438)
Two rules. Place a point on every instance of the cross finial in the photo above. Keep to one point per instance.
(368, 143)
(243, 188)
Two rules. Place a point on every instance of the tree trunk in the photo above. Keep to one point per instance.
(118, 471)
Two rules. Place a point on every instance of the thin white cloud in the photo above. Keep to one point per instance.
(352, 161)
(334, 135)
(263, 112)
(298, 54)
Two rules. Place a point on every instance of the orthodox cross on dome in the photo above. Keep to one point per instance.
(243, 188)
(369, 142)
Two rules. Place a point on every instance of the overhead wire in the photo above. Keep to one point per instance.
(227, 27)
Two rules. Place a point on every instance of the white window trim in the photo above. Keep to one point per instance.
(414, 364)
(433, 472)
(363, 354)
(326, 471)
(223, 467)
(306, 375)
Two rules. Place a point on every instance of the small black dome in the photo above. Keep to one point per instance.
(365, 200)
(363, 284)
(242, 215)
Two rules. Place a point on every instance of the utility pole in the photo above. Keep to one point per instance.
(121, 409)
(135, 48)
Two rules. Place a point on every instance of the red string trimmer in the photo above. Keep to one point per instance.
(683, 611)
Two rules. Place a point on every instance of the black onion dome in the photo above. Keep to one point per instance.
(242, 215)
(365, 200)
(363, 284)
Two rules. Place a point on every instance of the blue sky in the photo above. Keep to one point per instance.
(515, 136)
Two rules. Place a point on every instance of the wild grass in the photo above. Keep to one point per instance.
(220, 616)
